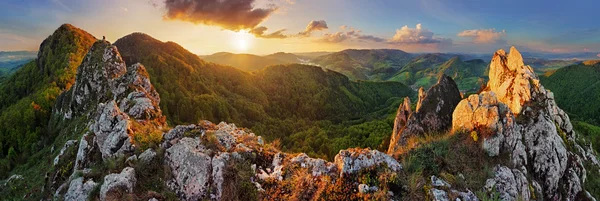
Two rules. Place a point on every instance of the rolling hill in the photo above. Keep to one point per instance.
(250, 62)
(577, 90)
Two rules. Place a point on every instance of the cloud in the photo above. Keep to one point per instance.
(484, 36)
(260, 33)
(313, 26)
(349, 33)
(598, 55)
(418, 35)
(336, 37)
(229, 14)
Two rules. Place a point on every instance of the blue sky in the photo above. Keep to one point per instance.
(415, 26)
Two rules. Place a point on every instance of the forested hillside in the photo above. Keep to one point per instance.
(27, 96)
(279, 102)
(577, 90)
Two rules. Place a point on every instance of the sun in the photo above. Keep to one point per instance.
(241, 41)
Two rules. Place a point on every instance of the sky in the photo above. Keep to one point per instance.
(269, 26)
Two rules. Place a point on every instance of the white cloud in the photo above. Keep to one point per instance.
(484, 36)
(418, 35)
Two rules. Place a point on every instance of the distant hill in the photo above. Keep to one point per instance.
(311, 55)
(415, 70)
(250, 62)
(13, 60)
(577, 90)
(365, 64)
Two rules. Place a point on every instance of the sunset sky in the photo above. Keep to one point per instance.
(268, 26)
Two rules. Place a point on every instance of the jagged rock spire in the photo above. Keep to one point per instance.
(511, 80)
(434, 114)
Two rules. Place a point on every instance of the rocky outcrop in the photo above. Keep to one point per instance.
(402, 116)
(517, 116)
(114, 184)
(433, 114)
(511, 184)
(191, 168)
(353, 160)
(79, 190)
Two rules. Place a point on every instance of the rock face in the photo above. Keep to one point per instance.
(517, 116)
(511, 80)
(123, 182)
(433, 114)
(353, 160)
(79, 190)
(402, 116)
(111, 96)
(199, 169)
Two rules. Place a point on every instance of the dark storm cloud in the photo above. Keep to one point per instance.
(229, 14)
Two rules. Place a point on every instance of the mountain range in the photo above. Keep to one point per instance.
(132, 120)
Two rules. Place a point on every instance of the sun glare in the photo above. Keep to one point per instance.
(241, 41)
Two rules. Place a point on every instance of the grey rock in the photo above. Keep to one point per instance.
(363, 188)
(78, 190)
(147, 156)
(433, 115)
(353, 160)
(122, 182)
(318, 166)
(438, 182)
(111, 130)
(83, 151)
(219, 163)
(439, 195)
(191, 169)
(68, 144)
(511, 184)
(466, 196)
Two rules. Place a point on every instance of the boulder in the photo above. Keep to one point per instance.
(219, 163)
(79, 190)
(511, 184)
(353, 160)
(433, 115)
(191, 169)
(111, 130)
(147, 156)
(114, 184)
(438, 195)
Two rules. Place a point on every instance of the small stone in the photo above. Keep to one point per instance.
(363, 188)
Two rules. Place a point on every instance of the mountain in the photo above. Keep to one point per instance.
(250, 62)
(511, 139)
(11, 61)
(365, 64)
(27, 96)
(287, 57)
(543, 66)
(423, 70)
(415, 70)
(577, 90)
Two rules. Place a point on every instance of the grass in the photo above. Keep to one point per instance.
(448, 156)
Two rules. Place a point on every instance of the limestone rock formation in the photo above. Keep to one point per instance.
(122, 182)
(402, 116)
(517, 116)
(433, 114)
(79, 190)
